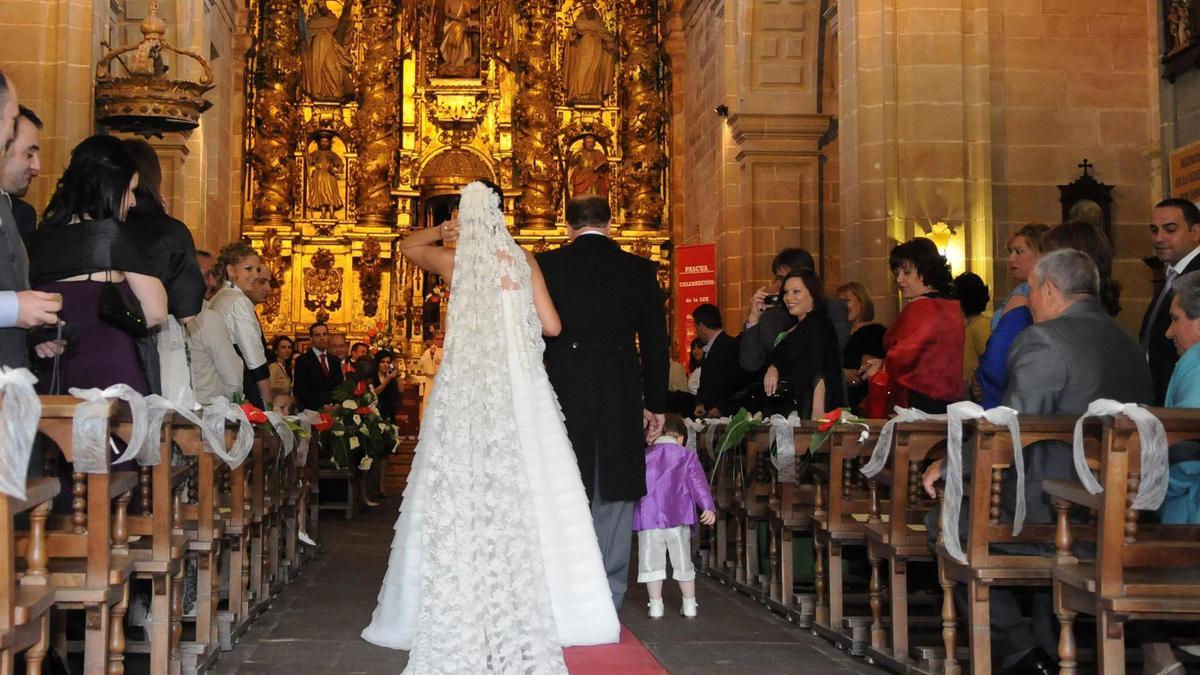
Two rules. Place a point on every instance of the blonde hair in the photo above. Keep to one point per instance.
(1032, 234)
(232, 254)
(860, 292)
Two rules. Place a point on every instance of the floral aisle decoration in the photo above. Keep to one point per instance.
(735, 431)
(832, 421)
(353, 433)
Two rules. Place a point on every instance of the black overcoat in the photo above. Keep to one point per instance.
(610, 361)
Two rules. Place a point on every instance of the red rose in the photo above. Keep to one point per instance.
(253, 414)
(830, 419)
(361, 388)
(325, 424)
(365, 410)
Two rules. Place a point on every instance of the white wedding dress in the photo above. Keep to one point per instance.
(495, 565)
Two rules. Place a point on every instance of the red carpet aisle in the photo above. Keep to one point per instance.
(629, 657)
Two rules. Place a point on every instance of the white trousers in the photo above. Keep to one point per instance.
(653, 547)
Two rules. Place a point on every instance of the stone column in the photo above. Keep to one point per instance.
(275, 114)
(642, 116)
(378, 119)
(535, 146)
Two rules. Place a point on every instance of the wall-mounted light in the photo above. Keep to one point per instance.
(949, 245)
(722, 111)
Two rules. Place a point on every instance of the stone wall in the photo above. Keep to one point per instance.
(53, 64)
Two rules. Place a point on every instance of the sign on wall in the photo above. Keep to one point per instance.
(1185, 172)
(695, 285)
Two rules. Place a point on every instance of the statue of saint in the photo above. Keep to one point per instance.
(327, 63)
(459, 28)
(1179, 23)
(590, 56)
(324, 197)
(587, 169)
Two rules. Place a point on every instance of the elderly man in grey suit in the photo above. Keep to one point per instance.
(1073, 354)
(20, 308)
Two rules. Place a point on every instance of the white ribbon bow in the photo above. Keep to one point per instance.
(1154, 482)
(283, 430)
(307, 420)
(710, 436)
(157, 408)
(883, 445)
(22, 410)
(783, 432)
(90, 429)
(952, 501)
(216, 414)
(694, 427)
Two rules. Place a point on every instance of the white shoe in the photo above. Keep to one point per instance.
(305, 539)
(688, 610)
(656, 608)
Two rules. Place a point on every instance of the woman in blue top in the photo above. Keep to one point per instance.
(1182, 503)
(1011, 317)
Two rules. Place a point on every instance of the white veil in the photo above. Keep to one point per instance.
(484, 605)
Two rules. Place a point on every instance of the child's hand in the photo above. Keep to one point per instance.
(708, 517)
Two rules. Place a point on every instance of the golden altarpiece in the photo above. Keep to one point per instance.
(365, 117)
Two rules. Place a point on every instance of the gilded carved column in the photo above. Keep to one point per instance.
(642, 118)
(275, 114)
(536, 143)
(378, 119)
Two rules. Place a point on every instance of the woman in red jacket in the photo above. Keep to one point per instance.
(924, 345)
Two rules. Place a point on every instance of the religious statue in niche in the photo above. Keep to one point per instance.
(459, 46)
(589, 58)
(325, 172)
(1179, 25)
(326, 59)
(587, 169)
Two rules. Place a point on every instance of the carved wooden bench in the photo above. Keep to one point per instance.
(986, 566)
(843, 503)
(1140, 571)
(25, 604)
(790, 507)
(90, 563)
(898, 536)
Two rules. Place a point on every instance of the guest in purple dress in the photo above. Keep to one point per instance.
(675, 487)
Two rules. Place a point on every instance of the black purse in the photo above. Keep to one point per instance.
(120, 310)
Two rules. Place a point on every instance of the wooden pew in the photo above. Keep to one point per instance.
(751, 462)
(236, 497)
(158, 555)
(89, 559)
(204, 527)
(25, 604)
(993, 452)
(721, 560)
(790, 508)
(898, 536)
(1147, 571)
(839, 520)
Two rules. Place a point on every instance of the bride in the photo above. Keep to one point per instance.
(494, 566)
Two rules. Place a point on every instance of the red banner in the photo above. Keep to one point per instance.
(695, 285)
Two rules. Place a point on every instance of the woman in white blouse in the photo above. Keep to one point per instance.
(238, 270)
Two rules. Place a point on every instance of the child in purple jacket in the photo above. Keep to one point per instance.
(675, 486)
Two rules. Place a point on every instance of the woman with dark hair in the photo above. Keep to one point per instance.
(282, 348)
(1086, 237)
(805, 371)
(972, 295)
(387, 385)
(866, 339)
(83, 245)
(924, 346)
(238, 270)
(695, 361)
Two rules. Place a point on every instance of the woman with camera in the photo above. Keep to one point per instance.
(387, 385)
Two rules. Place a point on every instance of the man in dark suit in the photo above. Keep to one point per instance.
(1175, 230)
(721, 377)
(20, 308)
(612, 313)
(1074, 354)
(318, 372)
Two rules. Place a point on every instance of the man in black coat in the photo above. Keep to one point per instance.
(318, 372)
(609, 367)
(721, 377)
(1175, 230)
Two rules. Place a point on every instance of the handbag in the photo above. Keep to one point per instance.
(120, 310)
(875, 405)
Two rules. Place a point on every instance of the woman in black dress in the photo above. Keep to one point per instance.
(805, 371)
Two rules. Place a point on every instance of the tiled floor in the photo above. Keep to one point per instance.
(313, 625)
